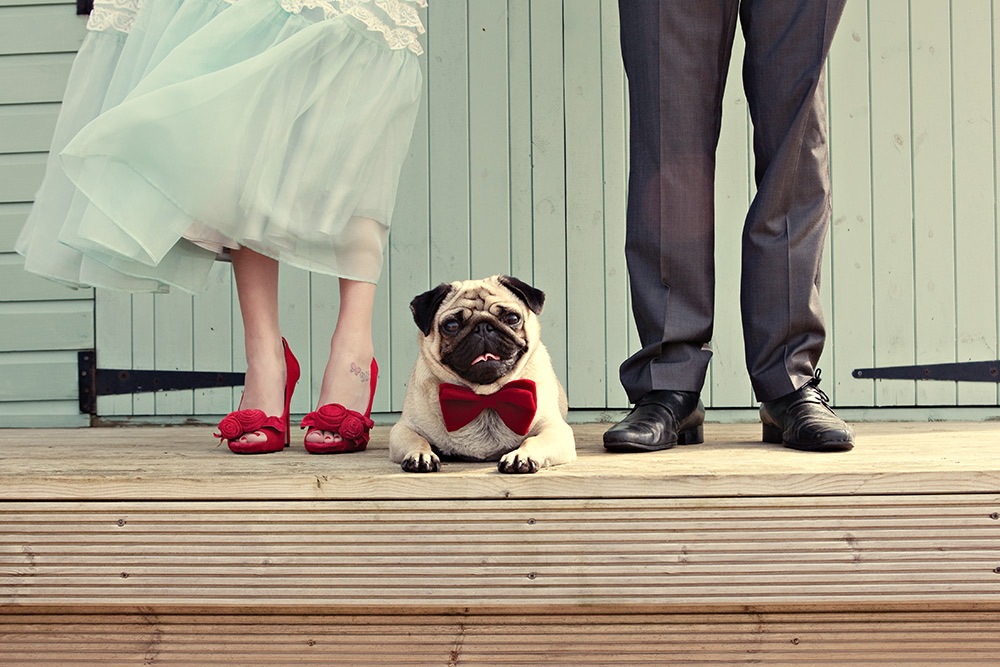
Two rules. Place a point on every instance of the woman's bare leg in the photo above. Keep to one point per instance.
(257, 287)
(346, 379)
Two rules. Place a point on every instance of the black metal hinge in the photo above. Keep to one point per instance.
(965, 371)
(96, 381)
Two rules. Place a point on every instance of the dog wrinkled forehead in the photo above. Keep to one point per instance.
(475, 295)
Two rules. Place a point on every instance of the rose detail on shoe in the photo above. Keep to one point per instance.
(352, 427)
(237, 423)
(333, 417)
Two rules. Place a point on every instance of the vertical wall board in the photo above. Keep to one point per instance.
(12, 217)
(615, 153)
(519, 133)
(933, 194)
(975, 219)
(728, 380)
(852, 341)
(995, 41)
(213, 338)
(549, 163)
(294, 313)
(892, 196)
(489, 177)
(381, 341)
(143, 348)
(585, 219)
(408, 270)
(114, 341)
(313, 350)
(173, 342)
(34, 78)
(448, 141)
(828, 288)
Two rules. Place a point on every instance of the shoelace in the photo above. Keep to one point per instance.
(814, 385)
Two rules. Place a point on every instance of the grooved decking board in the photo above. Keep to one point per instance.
(841, 552)
(857, 639)
(184, 463)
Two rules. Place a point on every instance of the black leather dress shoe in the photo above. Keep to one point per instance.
(804, 420)
(661, 419)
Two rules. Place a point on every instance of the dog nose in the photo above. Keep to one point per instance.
(484, 328)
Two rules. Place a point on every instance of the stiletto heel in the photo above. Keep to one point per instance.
(276, 430)
(353, 427)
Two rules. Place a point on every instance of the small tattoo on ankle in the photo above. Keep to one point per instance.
(362, 375)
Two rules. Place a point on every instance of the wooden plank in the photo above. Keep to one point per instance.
(407, 272)
(38, 376)
(20, 176)
(54, 414)
(615, 173)
(143, 346)
(20, 285)
(12, 217)
(520, 147)
(584, 227)
(295, 325)
(448, 141)
(933, 194)
(21, 3)
(889, 458)
(27, 128)
(517, 554)
(954, 638)
(851, 344)
(892, 203)
(113, 342)
(489, 175)
(212, 315)
(975, 194)
(34, 78)
(173, 340)
(549, 192)
(728, 381)
(41, 29)
(46, 325)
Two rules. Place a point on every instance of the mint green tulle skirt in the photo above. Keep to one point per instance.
(237, 126)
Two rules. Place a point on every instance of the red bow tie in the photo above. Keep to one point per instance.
(515, 404)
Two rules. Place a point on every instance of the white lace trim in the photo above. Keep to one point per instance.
(397, 20)
(113, 15)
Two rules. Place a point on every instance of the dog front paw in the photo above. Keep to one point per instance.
(517, 463)
(421, 462)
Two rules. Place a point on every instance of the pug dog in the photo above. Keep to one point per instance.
(483, 387)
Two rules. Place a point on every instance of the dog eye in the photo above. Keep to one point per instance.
(450, 326)
(512, 319)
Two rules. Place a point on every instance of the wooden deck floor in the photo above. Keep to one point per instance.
(184, 463)
(154, 546)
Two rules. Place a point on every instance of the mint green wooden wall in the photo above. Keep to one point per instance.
(41, 324)
(518, 165)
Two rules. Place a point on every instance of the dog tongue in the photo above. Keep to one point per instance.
(485, 357)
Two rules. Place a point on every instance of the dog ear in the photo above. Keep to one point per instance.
(532, 297)
(425, 306)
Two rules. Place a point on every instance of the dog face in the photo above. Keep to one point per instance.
(480, 330)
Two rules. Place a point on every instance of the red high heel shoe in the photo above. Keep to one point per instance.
(275, 429)
(353, 427)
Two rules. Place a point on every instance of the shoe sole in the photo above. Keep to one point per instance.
(772, 435)
(691, 436)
